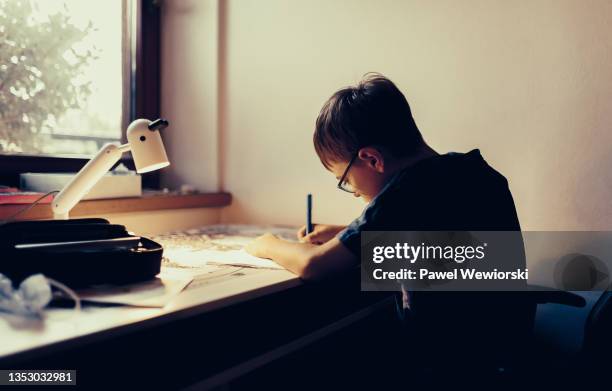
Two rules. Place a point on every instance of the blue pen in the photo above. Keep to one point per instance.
(308, 214)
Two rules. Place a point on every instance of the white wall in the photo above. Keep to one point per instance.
(528, 82)
(155, 222)
(189, 83)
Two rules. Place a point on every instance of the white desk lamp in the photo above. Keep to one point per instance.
(147, 150)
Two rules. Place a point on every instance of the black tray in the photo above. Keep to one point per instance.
(78, 253)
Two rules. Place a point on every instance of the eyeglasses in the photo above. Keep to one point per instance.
(343, 184)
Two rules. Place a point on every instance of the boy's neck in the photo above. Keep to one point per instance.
(396, 166)
(423, 153)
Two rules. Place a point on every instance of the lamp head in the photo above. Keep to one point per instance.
(146, 145)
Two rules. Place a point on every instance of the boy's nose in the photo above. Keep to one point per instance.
(357, 195)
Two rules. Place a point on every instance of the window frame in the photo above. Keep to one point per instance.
(141, 96)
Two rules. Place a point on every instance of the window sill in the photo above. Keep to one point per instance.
(154, 201)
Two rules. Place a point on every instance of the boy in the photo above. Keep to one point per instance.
(365, 135)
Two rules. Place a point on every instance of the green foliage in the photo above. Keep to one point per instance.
(41, 72)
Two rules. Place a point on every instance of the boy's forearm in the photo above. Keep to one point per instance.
(295, 257)
(309, 261)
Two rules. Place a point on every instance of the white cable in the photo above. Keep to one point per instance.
(33, 295)
(69, 292)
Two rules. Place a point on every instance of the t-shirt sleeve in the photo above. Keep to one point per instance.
(350, 237)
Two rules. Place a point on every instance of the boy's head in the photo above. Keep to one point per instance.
(371, 125)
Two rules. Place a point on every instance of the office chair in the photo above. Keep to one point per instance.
(591, 365)
(504, 354)
(597, 343)
(529, 352)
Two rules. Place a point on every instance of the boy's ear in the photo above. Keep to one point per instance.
(372, 158)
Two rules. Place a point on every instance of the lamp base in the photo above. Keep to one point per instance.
(61, 216)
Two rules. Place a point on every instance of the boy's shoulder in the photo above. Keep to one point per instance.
(449, 165)
(440, 173)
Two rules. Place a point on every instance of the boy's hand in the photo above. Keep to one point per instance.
(260, 245)
(320, 234)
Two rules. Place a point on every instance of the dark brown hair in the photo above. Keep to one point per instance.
(372, 113)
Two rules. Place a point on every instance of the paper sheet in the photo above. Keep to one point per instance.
(154, 293)
(198, 258)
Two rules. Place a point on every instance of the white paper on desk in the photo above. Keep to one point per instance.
(155, 293)
(242, 258)
(197, 258)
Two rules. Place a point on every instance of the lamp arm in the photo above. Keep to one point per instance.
(86, 178)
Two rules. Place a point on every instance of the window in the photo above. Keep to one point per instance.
(61, 76)
(71, 80)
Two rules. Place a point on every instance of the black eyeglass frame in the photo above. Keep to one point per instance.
(343, 178)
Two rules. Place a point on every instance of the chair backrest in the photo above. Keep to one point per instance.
(598, 329)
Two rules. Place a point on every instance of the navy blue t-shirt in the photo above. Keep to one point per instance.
(453, 191)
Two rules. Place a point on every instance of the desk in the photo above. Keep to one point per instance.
(230, 326)
(24, 338)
